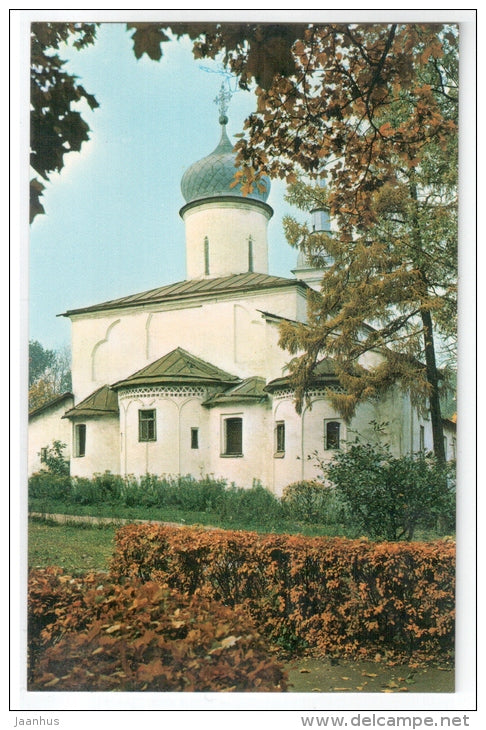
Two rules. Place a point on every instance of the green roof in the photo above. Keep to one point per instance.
(251, 389)
(178, 366)
(102, 402)
(324, 374)
(194, 289)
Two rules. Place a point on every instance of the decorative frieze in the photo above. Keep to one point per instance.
(163, 391)
(285, 393)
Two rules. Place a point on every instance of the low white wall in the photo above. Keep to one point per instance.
(45, 428)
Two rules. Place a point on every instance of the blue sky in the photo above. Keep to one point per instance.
(112, 224)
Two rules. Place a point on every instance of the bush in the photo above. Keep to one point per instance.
(335, 595)
(256, 505)
(140, 637)
(44, 484)
(312, 502)
(54, 459)
(388, 497)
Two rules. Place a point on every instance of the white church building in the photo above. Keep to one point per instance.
(189, 378)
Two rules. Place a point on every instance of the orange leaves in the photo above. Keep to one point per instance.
(147, 650)
(333, 594)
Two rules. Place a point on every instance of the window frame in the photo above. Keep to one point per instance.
(225, 452)
(279, 439)
(79, 442)
(144, 423)
(340, 434)
(421, 439)
(194, 437)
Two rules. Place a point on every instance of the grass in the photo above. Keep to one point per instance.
(76, 548)
(187, 517)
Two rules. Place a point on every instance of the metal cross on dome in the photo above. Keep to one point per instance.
(223, 99)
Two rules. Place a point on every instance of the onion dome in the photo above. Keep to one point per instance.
(212, 177)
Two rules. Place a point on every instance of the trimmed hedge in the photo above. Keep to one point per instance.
(91, 634)
(335, 595)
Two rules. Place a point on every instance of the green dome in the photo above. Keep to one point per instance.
(212, 176)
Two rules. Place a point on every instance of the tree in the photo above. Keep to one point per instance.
(49, 373)
(390, 281)
(56, 128)
(40, 360)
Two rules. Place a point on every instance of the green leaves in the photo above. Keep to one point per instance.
(389, 497)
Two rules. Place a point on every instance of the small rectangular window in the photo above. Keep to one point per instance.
(280, 437)
(233, 437)
(194, 438)
(43, 454)
(146, 426)
(422, 439)
(332, 435)
(80, 439)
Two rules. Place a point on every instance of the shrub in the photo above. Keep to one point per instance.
(44, 484)
(388, 497)
(54, 459)
(312, 502)
(141, 637)
(255, 505)
(332, 594)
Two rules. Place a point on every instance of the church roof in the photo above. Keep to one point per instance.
(199, 288)
(102, 402)
(324, 373)
(214, 175)
(178, 366)
(52, 403)
(251, 389)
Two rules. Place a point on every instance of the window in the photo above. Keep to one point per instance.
(422, 439)
(233, 437)
(206, 256)
(280, 438)
(194, 438)
(332, 435)
(146, 425)
(80, 439)
(43, 454)
(250, 255)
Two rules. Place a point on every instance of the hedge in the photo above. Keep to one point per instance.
(334, 595)
(91, 634)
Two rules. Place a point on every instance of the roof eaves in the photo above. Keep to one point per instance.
(50, 404)
(192, 289)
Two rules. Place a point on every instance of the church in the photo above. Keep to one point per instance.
(189, 378)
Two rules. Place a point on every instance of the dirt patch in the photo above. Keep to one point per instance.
(326, 675)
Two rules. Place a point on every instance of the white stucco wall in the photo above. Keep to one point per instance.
(102, 446)
(226, 331)
(255, 462)
(178, 410)
(304, 434)
(227, 227)
(46, 427)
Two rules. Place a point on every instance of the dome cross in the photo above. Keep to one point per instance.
(222, 100)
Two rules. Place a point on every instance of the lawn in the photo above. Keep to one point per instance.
(75, 548)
